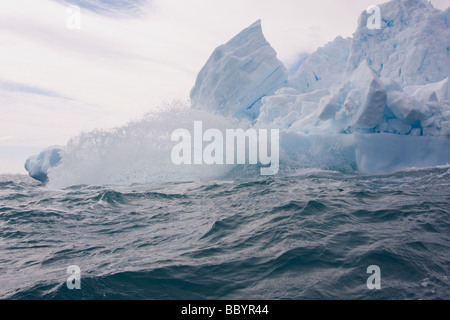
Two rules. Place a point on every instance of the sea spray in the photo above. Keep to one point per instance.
(139, 152)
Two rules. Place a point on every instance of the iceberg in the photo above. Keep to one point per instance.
(38, 165)
(323, 68)
(411, 47)
(375, 103)
(434, 93)
(378, 102)
(406, 108)
(359, 103)
(238, 75)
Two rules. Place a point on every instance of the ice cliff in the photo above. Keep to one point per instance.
(238, 74)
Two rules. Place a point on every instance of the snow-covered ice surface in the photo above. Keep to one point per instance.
(378, 102)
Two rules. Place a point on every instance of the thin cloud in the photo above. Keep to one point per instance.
(111, 8)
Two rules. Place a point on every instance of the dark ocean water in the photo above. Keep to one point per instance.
(311, 235)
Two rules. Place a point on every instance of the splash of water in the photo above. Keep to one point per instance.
(139, 152)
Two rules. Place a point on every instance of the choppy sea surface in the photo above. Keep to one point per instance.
(310, 235)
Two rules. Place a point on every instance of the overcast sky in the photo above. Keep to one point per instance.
(129, 57)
